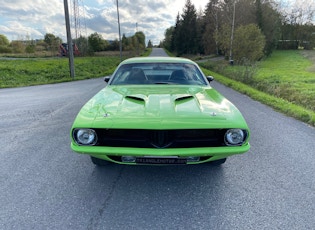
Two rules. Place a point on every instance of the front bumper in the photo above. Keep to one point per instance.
(208, 153)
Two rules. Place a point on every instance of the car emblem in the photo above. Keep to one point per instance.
(161, 139)
(106, 115)
(213, 114)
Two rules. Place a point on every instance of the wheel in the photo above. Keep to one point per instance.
(99, 162)
(218, 162)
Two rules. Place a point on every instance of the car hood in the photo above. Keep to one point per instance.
(159, 106)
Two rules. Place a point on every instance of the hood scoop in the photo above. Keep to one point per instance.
(182, 98)
(136, 98)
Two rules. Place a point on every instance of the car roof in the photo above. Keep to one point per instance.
(157, 60)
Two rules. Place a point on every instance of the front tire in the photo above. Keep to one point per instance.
(99, 162)
(218, 162)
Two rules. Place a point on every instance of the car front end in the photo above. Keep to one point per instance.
(161, 122)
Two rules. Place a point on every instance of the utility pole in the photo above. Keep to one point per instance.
(232, 35)
(138, 51)
(120, 43)
(69, 39)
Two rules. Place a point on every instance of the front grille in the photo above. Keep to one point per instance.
(141, 138)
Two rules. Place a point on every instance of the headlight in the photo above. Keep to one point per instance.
(235, 137)
(85, 136)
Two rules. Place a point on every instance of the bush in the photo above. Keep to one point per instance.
(249, 43)
(17, 47)
(30, 49)
(5, 49)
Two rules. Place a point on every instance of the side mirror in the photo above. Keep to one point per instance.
(210, 78)
(107, 78)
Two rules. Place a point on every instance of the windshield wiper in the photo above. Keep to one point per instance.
(162, 83)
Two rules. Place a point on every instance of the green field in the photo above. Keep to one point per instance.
(16, 72)
(289, 75)
(286, 74)
(26, 72)
(285, 81)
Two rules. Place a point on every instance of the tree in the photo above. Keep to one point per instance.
(97, 43)
(300, 12)
(211, 33)
(260, 12)
(52, 42)
(139, 40)
(294, 23)
(49, 38)
(134, 43)
(184, 39)
(83, 45)
(224, 38)
(4, 40)
(124, 41)
(269, 22)
(211, 27)
(167, 42)
(188, 29)
(17, 46)
(114, 46)
(4, 44)
(249, 43)
(199, 32)
(177, 38)
(150, 45)
(30, 48)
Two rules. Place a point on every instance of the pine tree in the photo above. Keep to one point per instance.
(176, 40)
(211, 27)
(185, 37)
(189, 29)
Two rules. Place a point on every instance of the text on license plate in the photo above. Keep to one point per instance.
(160, 160)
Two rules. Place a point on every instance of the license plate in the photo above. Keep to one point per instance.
(160, 160)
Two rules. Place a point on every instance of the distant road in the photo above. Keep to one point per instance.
(44, 185)
(158, 52)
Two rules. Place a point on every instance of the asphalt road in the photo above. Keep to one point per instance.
(44, 185)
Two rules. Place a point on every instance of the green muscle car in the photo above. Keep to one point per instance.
(159, 110)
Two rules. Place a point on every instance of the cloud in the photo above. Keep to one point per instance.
(150, 17)
(19, 18)
(30, 18)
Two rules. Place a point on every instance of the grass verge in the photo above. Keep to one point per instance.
(286, 74)
(279, 104)
(18, 72)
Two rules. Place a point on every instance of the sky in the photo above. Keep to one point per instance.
(32, 19)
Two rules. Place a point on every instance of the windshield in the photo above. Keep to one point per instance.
(158, 73)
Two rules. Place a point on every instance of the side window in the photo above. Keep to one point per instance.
(194, 75)
(121, 76)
